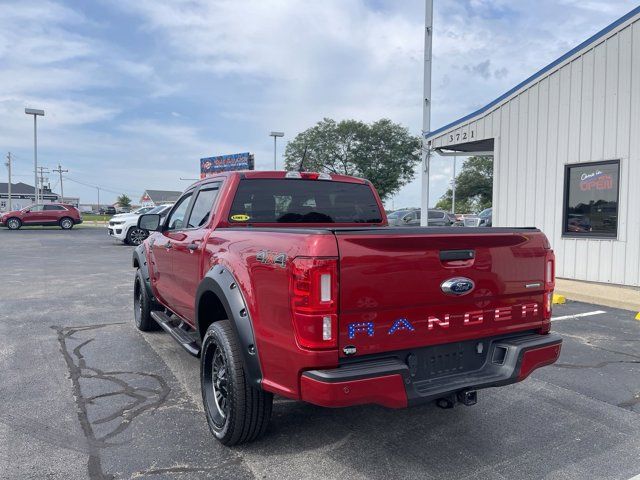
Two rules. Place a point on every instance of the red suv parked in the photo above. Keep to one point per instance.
(65, 216)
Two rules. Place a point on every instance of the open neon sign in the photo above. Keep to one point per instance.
(597, 180)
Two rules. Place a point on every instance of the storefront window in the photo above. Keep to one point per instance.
(591, 199)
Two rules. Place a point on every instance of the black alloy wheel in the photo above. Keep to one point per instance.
(236, 411)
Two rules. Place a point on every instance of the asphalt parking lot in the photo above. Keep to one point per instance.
(85, 395)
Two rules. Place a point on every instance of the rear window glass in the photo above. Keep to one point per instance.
(303, 201)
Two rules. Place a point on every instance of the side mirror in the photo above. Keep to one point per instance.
(149, 222)
(27, 210)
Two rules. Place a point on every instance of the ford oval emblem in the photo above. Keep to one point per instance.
(457, 286)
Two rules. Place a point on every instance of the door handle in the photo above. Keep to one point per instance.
(192, 246)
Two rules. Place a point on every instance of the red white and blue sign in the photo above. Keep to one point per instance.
(226, 163)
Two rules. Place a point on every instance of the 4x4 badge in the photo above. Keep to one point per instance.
(272, 258)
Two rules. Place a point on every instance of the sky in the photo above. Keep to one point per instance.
(136, 92)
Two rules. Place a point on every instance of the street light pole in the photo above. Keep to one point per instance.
(275, 136)
(426, 110)
(453, 187)
(36, 113)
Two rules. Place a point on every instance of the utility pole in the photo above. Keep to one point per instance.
(9, 184)
(61, 171)
(426, 109)
(98, 198)
(42, 172)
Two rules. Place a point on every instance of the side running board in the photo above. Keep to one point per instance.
(182, 333)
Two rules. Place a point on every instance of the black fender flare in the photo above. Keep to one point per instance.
(140, 257)
(221, 282)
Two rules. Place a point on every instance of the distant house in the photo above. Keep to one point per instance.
(158, 197)
(22, 195)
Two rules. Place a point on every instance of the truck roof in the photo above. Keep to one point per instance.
(275, 174)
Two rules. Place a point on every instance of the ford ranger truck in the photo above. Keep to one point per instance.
(293, 284)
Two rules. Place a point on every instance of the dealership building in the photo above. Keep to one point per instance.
(566, 152)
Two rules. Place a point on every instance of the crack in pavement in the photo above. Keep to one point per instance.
(595, 365)
(185, 469)
(632, 402)
(143, 398)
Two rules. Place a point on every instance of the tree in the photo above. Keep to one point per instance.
(383, 152)
(474, 187)
(124, 201)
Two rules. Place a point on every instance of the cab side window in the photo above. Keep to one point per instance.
(201, 211)
(176, 218)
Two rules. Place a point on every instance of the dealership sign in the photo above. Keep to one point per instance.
(225, 163)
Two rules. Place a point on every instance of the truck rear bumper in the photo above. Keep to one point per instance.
(398, 380)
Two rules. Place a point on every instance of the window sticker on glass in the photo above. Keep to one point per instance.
(240, 218)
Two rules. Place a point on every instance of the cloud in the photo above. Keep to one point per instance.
(136, 92)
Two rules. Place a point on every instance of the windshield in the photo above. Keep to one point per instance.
(303, 201)
(485, 213)
(142, 210)
(158, 209)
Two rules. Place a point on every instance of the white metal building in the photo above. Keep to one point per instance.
(566, 150)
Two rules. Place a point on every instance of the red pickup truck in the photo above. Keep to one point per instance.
(292, 284)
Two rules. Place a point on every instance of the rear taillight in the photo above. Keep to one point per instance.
(549, 282)
(313, 290)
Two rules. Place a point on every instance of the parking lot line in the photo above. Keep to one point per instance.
(637, 477)
(578, 315)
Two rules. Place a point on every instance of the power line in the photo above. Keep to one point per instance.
(110, 190)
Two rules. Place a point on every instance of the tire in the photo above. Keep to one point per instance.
(142, 305)
(135, 236)
(66, 223)
(236, 412)
(13, 223)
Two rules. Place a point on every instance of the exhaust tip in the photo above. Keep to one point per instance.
(446, 402)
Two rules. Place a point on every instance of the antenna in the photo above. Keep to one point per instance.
(304, 156)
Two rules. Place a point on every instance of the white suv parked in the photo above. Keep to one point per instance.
(124, 227)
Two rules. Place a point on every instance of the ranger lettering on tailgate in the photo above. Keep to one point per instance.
(443, 321)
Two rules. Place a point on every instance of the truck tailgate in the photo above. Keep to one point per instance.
(393, 290)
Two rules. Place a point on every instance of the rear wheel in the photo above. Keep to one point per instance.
(66, 223)
(135, 236)
(14, 223)
(142, 305)
(236, 412)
